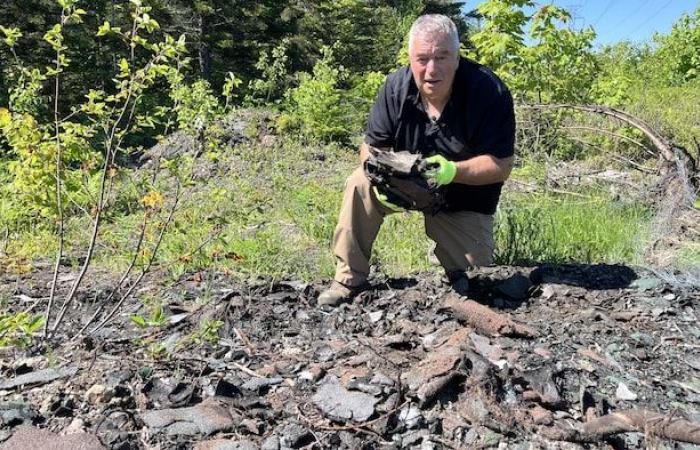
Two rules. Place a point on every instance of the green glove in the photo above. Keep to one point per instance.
(444, 173)
(384, 201)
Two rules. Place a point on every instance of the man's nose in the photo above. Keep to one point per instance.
(431, 67)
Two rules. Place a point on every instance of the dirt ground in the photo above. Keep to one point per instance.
(546, 357)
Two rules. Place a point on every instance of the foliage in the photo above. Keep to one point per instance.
(17, 329)
(321, 109)
(546, 63)
(70, 147)
(316, 102)
(156, 318)
(274, 74)
(676, 59)
(208, 331)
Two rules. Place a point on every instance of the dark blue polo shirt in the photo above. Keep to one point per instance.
(478, 119)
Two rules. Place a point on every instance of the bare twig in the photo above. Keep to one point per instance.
(146, 268)
(59, 204)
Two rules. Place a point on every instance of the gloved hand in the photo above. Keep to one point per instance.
(444, 173)
(381, 198)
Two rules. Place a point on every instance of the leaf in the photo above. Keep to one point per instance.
(5, 118)
(35, 324)
(140, 321)
(104, 29)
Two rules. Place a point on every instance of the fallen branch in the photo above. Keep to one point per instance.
(667, 150)
(486, 320)
(636, 420)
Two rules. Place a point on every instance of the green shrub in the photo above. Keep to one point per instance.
(330, 105)
(316, 102)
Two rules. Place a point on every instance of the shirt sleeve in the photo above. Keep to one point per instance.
(382, 122)
(497, 130)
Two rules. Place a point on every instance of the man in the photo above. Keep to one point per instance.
(459, 115)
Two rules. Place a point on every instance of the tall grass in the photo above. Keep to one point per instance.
(548, 228)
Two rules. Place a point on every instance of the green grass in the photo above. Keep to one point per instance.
(689, 257)
(272, 211)
(550, 228)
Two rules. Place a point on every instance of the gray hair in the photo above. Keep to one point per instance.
(434, 25)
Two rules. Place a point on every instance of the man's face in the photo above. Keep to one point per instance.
(433, 64)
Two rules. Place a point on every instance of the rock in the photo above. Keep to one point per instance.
(44, 439)
(271, 443)
(515, 287)
(205, 418)
(314, 373)
(541, 416)
(544, 352)
(623, 393)
(76, 426)
(99, 394)
(38, 377)
(645, 283)
(375, 316)
(470, 437)
(411, 417)
(224, 444)
(342, 405)
(485, 349)
(413, 438)
(119, 377)
(381, 380)
(491, 439)
(251, 425)
(256, 384)
(295, 436)
(642, 339)
(15, 412)
(548, 292)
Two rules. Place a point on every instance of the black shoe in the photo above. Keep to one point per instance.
(459, 281)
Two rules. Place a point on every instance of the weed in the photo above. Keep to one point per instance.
(17, 329)
(156, 318)
(208, 332)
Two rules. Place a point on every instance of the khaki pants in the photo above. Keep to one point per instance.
(463, 239)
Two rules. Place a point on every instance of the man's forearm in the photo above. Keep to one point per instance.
(483, 169)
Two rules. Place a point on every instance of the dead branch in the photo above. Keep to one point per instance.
(665, 148)
(147, 267)
(123, 278)
(635, 420)
(486, 320)
(610, 133)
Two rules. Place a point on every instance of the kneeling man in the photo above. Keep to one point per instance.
(459, 115)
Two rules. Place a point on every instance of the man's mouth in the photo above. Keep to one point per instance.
(432, 82)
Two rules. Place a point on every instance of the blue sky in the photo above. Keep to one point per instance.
(616, 20)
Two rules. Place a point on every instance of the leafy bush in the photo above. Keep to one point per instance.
(317, 102)
(17, 329)
(323, 109)
(539, 58)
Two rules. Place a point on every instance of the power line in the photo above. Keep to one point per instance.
(639, 8)
(650, 17)
(610, 3)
